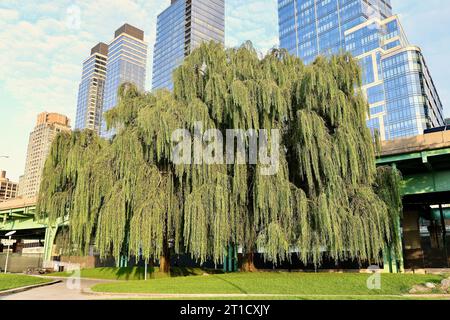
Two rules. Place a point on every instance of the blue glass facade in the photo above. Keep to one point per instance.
(127, 60)
(412, 103)
(181, 28)
(91, 90)
(402, 97)
(309, 28)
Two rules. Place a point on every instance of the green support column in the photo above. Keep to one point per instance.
(236, 266)
(387, 260)
(401, 262)
(392, 264)
(226, 255)
(124, 261)
(50, 234)
(230, 258)
(230, 261)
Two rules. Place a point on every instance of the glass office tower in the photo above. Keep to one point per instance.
(401, 93)
(180, 29)
(92, 86)
(127, 61)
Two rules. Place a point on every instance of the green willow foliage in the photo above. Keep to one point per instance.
(126, 195)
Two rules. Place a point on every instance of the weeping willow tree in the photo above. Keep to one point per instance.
(326, 199)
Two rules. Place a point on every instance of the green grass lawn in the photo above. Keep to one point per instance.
(132, 273)
(273, 283)
(11, 281)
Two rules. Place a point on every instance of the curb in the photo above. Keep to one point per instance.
(22, 289)
(83, 279)
(437, 295)
(89, 291)
(99, 294)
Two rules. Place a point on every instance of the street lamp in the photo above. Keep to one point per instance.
(9, 234)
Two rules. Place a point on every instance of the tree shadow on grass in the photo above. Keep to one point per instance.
(132, 273)
(232, 284)
(138, 273)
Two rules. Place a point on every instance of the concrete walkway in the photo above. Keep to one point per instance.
(68, 289)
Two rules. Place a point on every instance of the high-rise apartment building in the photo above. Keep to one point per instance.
(48, 125)
(91, 90)
(402, 96)
(8, 189)
(127, 62)
(182, 27)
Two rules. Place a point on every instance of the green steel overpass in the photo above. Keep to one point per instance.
(20, 215)
(424, 162)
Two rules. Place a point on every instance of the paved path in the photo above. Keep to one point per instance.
(65, 290)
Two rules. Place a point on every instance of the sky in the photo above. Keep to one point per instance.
(43, 44)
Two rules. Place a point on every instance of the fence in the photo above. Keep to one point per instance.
(18, 262)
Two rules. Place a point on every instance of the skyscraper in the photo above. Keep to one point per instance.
(91, 90)
(401, 93)
(181, 28)
(47, 126)
(127, 62)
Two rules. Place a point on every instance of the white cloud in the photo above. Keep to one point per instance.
(255, 20)
(8, 15)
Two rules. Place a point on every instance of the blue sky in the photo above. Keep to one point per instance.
(42, 48)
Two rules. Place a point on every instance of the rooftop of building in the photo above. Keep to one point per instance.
(3, 177)
(130, 30)
(52, 118)
(101, 48)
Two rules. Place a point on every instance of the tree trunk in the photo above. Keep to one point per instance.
(248, 264)
(164, 260)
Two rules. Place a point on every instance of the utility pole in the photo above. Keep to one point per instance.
(145, 277)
